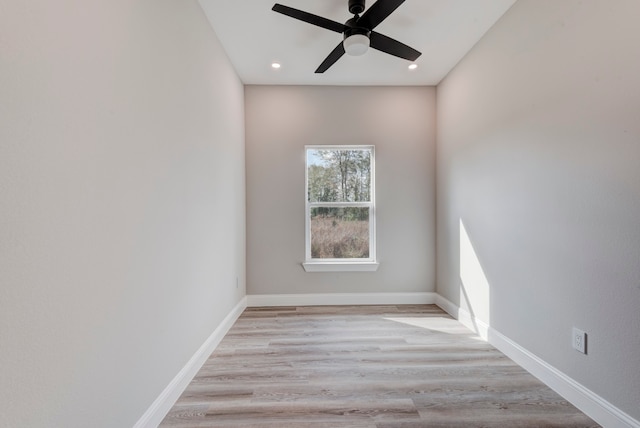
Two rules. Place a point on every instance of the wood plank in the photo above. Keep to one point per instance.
(363, 367)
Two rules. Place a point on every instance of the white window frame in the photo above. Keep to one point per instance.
(340, 265)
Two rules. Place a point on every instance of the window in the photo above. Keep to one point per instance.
(340, 209)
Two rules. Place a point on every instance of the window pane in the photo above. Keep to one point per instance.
(340, 233)
(339, 175)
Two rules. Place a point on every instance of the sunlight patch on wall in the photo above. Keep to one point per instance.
(475, 290)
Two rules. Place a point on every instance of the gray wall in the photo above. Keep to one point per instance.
(122, 204)
(400, 122)
(538, 158)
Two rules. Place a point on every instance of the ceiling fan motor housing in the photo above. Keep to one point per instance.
(356, 7)
(353, 31)
(356, 38)
(353, 28)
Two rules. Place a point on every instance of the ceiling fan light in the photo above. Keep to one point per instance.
(356, 44)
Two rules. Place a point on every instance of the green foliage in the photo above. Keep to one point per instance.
(340, 176)
(342, 213)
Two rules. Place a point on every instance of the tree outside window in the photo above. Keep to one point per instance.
(340, 203)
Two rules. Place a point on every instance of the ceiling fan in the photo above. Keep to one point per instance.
(357, 32)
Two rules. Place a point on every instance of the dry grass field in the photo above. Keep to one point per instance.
(339, 239)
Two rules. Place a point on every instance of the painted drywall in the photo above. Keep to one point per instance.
(122, 204)
(400, 122)
(539, 187)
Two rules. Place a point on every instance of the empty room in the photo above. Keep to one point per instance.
(380, 214)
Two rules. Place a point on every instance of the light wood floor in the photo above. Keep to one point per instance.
(363, 367)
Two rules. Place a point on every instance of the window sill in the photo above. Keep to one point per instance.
(340, 266)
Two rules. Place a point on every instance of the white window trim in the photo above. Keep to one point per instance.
(341, 265)
(346, 266)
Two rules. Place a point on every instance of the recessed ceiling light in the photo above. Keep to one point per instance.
(413, 66)
(275, 65)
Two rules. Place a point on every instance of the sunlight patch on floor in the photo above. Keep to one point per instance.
(441, 324)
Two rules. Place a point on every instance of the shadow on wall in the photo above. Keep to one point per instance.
(475, 290)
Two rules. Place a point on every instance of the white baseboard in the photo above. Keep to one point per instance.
(161, 406)
(594, 406)
(262, 300)
(472, 323)
(599, 409)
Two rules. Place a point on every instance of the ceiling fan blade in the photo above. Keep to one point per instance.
(393, 47)
(331, 59)
(309, 18)
(378, 12)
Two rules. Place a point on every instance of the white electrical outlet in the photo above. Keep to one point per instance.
(579, 340)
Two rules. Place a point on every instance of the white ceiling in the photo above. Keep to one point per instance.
(254, 36)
